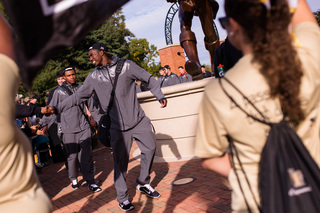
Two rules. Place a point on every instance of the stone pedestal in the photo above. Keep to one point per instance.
(175, 125)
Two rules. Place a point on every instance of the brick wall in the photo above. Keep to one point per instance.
(169, 56)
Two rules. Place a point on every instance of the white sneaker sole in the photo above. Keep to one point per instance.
(147, 193)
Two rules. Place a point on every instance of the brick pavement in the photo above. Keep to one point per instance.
(208, 193)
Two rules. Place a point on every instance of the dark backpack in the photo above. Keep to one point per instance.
(289, 178)
(105, 121)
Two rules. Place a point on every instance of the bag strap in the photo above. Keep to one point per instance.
(119, 67)
(247, 99)
(234, 151)
(164, 78)
(69, 92)
(66, 89)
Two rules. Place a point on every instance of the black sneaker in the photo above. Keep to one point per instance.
(148, 190)
(75, 186)
(126, 206)
(94, 188)
(84, 184)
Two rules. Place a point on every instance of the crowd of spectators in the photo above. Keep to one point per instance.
(45, 138)
(168, 78)
(28, 116)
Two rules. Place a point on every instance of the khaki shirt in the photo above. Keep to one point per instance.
(20, 190)
(219, 117)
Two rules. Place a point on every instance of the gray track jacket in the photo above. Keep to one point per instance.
(72, 119)
(126, 112)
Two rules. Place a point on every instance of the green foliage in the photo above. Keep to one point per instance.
(317, 15)
(119, 41)
(143, 54)
(23, 90)
(45, 81)
(113, 33)
(154, 69)
(139, 48)
(3, 11)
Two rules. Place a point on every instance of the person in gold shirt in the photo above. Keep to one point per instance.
(279, 73)
(20, 188)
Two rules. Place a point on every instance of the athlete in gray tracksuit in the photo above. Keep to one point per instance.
(128, 120)
(76, 132)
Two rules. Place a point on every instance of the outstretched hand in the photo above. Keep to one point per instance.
(93, 122)
(163, 103)
(44, 111)
(49, 110)
(34, 129)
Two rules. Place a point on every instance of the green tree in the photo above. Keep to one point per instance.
(153, 69)
(23, 90)
(144, 55)
(3, 11)
(113, 33)
(119, 41)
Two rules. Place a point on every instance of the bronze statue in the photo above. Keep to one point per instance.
(207, 11)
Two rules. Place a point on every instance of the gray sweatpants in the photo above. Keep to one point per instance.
(79, 152)
(121, 143)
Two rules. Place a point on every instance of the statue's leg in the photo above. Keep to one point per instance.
(207, 12)
(188, 39)
(189, 43)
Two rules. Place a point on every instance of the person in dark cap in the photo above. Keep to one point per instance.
(170, 78)
(128, 120)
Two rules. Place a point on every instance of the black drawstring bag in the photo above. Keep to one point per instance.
(289, 179)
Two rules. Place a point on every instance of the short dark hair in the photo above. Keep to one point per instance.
(67, 68)
(59, 73)
(180, 67)
(161, 68)
(203, 66)
(167, 67)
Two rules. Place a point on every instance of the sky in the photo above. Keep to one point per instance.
(146, 19)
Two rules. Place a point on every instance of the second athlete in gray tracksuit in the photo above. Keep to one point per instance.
(76, 135)
(128, 120)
